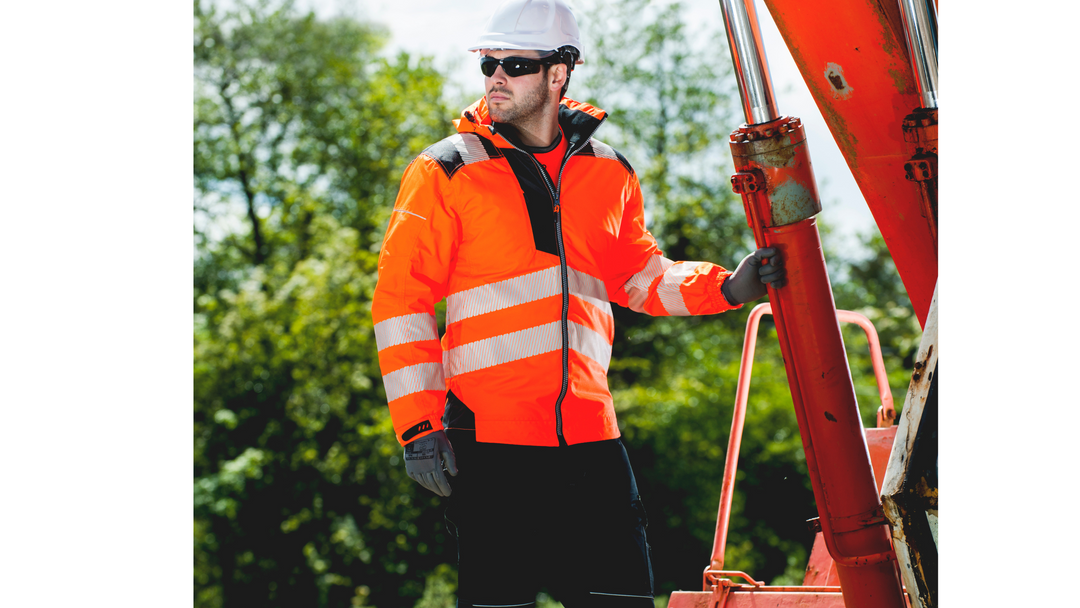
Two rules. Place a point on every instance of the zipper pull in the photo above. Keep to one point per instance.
(556, 207)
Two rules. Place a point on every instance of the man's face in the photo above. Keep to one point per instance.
(516, 100)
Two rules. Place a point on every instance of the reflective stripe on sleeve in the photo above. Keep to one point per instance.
(637, 286)
(406, 328)
(413, 379)
(668, 289)
(530, 342)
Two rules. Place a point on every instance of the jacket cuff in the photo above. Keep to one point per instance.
(418, 430)
(717, 294)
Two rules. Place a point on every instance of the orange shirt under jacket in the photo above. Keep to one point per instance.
(529, 264)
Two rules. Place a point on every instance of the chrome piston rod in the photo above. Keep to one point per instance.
(748, 57)
(920, 30)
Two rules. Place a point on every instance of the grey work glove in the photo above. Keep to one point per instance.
(748, 281)
(424, 460)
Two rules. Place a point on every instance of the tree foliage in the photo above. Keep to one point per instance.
(301, 135)
(302, 129)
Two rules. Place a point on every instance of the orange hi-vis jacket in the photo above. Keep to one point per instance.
(529, 264)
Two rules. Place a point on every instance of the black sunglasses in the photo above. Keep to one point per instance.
(515, 66)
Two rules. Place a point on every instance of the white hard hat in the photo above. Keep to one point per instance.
(539, 25)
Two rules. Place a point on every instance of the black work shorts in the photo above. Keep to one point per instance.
(567, 520)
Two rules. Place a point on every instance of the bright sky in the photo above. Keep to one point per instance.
(444, 29)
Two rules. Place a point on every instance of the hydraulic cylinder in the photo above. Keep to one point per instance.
(776, 181)
(775, 178)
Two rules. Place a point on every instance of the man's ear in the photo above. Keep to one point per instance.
(557, 76)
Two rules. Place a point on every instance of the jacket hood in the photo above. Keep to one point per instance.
(573, 115)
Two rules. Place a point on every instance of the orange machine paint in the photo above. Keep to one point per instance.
(853, 58)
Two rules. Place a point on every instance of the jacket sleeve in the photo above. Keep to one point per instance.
(643, 280)
(417, 250)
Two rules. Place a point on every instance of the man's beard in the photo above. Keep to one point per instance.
(528, 106)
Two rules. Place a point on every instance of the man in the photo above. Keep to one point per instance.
(529, 228)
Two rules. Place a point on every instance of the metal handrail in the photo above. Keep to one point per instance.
(886, 414)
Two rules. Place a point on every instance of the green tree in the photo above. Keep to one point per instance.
(301, 134)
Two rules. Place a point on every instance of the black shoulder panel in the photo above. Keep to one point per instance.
(447, 155)
(599, 149)
(459, 150)
(625, 163)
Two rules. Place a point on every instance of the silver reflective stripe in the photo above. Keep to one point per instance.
(620, 595)
(504, 294)
(602, 150)
(502, 349)
(469, 147)
(405, 329)
(523, 289)
(413, 379)
(590, 289)
(590, 343)
(637, 286)
(530, 342)
(502, 605)
(668, 289)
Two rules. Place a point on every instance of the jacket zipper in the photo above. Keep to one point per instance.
(564, 325)
(555, 190)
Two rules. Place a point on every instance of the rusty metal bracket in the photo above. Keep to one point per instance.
(748, 182)
(921, 168)
(921, 128)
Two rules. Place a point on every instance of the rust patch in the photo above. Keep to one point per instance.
(842, 89)
(901, 81)
(781, 156)
(790, 202)
(889, 43)
(928, 493)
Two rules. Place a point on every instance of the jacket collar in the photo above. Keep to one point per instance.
(578, 121)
